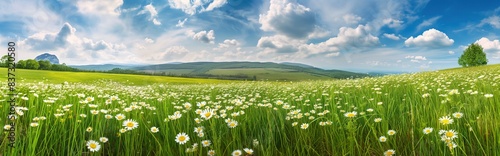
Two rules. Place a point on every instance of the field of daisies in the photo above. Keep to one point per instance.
(453, 112)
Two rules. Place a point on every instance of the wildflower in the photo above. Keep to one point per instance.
(351, 114)
(369, 110)
(199, 129)
(389, 152)
(154, 129)
(232, 124)
(255, 142)
(181, 138)
(207, 114)
(391, 132)
(382, 139)
(130, 124)
(95, 112)
(458, 115)
(33, 124)
(449, 134)
(89, 129)
(93, 146)
(123, 130)
(103, 139)
(248, 151)
(89, 99)
(120, 117)
(205, 143)
(7, 127)
(378, 119)
(488, 95)
(211, 153)
(445, 120)
(107, 116)
(428, 130)
(304, 126)
(236, 153)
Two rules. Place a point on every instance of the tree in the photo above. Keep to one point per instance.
(32, 64)
(473, 56)
(21, 64)
(4, 61)
(44, 64)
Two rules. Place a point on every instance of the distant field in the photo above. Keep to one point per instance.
(269, 74)
(88, 77)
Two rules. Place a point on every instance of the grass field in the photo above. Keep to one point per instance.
(269, 74)
(449, 112)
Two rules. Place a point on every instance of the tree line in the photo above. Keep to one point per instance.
(36, 65)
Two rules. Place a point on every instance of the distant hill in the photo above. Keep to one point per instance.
(49, 57)
(248, 70)
(103, 67)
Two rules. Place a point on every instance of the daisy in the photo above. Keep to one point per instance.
(427, 130)
(93, 146)
(89, 99)
(206, 143)
(154, 129)
(351, 114)
(236, 153)
(389, 152)
(378, 119)
(445, 120)
(103, 139)
(488, 95)
(391, 132)
(120, 117)
(232, 124)
(181, 138)
(207, 114)
(248, 151)
(33, 124)
(199, 129)
(211, 153)
(458, 115)
(382, 139)
(89, 129)
(450, 134)
(123, 130)
(304, 126)
(7, 127)
(107, 116)
(130, 124)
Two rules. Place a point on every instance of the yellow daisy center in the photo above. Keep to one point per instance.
(93, 146)
(182, 138)
(130, 124)
(449, 134)
(208, 114)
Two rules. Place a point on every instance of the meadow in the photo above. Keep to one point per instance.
(449, 112)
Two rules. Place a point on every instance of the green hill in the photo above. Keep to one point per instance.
(249, 70)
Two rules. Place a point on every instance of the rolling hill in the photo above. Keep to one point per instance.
(249, 70)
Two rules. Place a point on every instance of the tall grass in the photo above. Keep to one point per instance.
(270, 115)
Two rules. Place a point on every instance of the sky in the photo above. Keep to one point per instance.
(354, 35)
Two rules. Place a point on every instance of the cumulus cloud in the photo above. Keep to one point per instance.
(431, 38)
(203, 36)
(391, 36)
(279, 43)
(351, 19)
(181, 23)
(108, 7)
(191, 7)
(353, 37)
(427, 23)
(490, 46)
(148, 40)
(288, 18)
(152, 12)
(451, 52)
(416, 59)
(50, 41)
(227, 43)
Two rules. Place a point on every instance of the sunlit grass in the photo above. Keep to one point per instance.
(369, 116)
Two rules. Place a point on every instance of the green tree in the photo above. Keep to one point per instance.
(32, 64)
(473, 56)
(4, 60)
(44, 64)
(21, 64)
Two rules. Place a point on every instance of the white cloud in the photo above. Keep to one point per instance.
(427, 23)
(191, 7)
(50, 41)
(227, 43)
(288, 18)
(204, 36)
(279, 43)
(494, 21)
(431, 38)
(215, 4)
(351, 19)
(492, 47)
(152, 12)
(174, 52)
(181, 23)
(353, 37)
(148, 40)
(99, 7)
(416, 59)
(392, 23)
(391, 36)
(451, 52)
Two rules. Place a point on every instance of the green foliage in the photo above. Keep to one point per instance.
(32, 64)
(21, 64)
(4, 60)
(473, 56)
(44, 64)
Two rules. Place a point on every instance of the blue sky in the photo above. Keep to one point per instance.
(357, 35)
